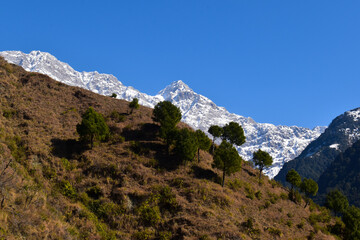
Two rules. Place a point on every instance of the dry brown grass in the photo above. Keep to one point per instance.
(64, 190)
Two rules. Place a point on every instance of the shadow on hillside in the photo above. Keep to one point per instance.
(248, 172)
(208, 174)
(147, 132)
(170, 163)
(158, 151)
(145, 148)
(67, 148)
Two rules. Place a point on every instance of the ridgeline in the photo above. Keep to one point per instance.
(129, 185)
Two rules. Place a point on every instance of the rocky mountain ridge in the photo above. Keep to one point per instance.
(343, 131)
(282, 142)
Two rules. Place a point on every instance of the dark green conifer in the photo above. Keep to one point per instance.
(203, 142)
(227, 159)
(92, 127)
(262, 159)
(134, 104)
(186, 144)
(309, 187)
(234, 133)
(216, 132)
(168, 115)
(337, 201)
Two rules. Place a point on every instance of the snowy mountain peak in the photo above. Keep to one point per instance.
(178, 85)
(355, 114)
(175, 88)
(40, 54)
(282, 142)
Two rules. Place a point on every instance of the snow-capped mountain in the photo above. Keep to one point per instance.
(342, 132)
(104, 84)
(283, 143)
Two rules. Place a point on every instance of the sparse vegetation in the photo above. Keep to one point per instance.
(235, 184)
(250, 227)
(9, 113)
(275, 231)
(67, 189)
(130, 187)
(117, 117)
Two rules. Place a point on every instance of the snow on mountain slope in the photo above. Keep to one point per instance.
(282, 142)
(104, 84)
(341, 134)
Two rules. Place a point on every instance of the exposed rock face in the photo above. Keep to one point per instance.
(283, 143)
(319, 154)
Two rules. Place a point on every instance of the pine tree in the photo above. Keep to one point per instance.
(203, 142)
(186, 144)
(134, 104)
(168, 115)
(216, 132)
(310, 187)
(337, 201)
(262, 159)
(234, 133)
(92, 127)
(227, 159)
(294, 178)
(351, 218)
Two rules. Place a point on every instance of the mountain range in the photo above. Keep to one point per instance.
(283, 143)
(341, 134)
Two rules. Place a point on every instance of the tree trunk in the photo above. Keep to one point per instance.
(260, 174)
(223, 180)
(2, 202)
(307, 200)
(92, 141)
(198, 155)
(168, 149)
(213, 145)
(292, 193)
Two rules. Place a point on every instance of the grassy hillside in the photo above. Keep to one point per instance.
(54, 187)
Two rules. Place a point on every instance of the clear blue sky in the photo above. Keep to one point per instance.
(281, 62)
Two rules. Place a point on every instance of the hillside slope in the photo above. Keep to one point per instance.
(54, 187)
(283, 143)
